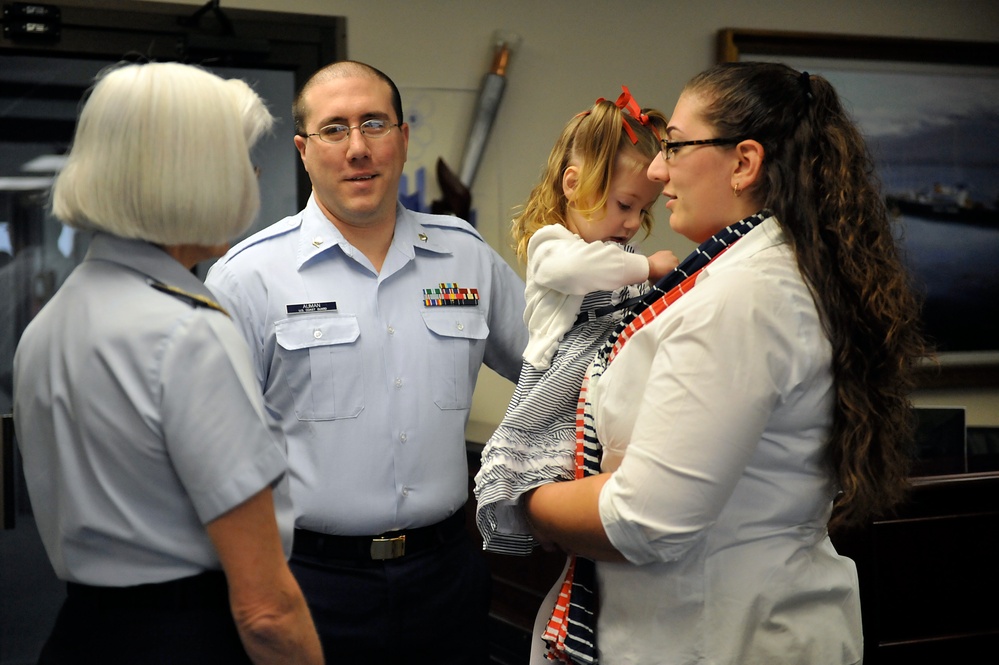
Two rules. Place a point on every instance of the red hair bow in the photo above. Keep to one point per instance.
(626, 102)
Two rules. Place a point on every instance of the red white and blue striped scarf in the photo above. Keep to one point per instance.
(571, 631)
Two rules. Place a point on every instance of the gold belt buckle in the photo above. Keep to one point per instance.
(388, 548)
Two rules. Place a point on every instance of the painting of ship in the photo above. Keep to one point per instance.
(944, 204)
(933, 133)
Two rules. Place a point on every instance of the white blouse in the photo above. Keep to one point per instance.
(718, 413)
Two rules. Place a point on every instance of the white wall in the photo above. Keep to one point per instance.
(574, 51)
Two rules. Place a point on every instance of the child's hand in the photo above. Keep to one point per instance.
(661, 263)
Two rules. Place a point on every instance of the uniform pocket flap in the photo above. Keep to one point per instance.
(307, 332)
(451, 323)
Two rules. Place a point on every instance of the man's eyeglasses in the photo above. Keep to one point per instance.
(669, 148)
(374, 128)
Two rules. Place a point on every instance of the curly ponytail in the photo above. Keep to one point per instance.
(820, 182)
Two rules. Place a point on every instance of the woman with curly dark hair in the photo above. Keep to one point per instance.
(743, 409)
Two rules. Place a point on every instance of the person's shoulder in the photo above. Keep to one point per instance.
(263, 237)
(553, 232)
(449, 224)
(548, 241)
(191, 300)
(764, 281)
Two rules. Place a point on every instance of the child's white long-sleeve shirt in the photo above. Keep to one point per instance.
(561, 269)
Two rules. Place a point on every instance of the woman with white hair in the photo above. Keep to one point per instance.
(159, 486)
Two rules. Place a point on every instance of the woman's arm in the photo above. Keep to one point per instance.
(270, 612)
(566, 515)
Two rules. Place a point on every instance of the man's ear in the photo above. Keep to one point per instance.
(750, 166)
(300, 143)
(570, 179)
(404, 130)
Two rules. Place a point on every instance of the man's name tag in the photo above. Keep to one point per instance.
(312, 307)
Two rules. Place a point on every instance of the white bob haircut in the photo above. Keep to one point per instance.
(162, 154)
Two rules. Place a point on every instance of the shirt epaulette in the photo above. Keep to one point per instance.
(446, 222)
(286, 225)
(191, 299)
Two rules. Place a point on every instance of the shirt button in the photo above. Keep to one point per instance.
(403, 436)
(317, 333)
(461, 326)
(398, 383)
(391, 330)
(405, 491)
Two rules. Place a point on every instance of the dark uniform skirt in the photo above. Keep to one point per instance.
(182, 621)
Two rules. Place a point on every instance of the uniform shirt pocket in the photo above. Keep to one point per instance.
(321, 365)
(458, 336)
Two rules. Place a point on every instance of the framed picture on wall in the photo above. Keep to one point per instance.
(929, 110)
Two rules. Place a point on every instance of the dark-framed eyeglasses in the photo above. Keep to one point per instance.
(669, 148)
(374, 128)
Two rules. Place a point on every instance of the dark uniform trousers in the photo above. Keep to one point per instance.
(429, 605)
(185, 621)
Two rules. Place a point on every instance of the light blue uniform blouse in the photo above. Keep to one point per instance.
(373, 383)
(139, 421)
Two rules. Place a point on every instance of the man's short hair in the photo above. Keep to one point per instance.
(342, 69)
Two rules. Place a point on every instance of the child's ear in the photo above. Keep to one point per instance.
(569, 181)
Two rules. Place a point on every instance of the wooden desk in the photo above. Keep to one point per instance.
(929, 575)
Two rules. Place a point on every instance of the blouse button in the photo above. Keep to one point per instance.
(317, 333)
(461, 326)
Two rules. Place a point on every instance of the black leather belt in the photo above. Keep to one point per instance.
(389, 545)
(208, 589)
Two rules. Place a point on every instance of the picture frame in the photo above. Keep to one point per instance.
(909, 97)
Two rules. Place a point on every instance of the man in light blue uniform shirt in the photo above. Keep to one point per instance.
(368, 324)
